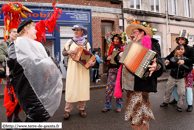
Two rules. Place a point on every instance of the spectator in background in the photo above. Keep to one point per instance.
(10, 101)
(189, 53)
(176, 77)
(96, 66)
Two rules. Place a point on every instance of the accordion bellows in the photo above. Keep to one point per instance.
(114, 53)
(137, 58)
(83, 56)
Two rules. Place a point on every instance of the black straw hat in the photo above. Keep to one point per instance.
(23, 24)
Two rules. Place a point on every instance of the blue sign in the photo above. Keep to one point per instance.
(67, 16)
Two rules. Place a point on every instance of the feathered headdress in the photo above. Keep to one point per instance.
(13, 13)
(50, 24)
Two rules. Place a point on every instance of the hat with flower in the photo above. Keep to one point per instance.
(139, 25)
(110, 36)
(110, 41)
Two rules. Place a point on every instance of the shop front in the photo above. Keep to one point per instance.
(56, 41)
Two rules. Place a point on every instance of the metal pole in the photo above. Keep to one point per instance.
(167, 46)
(122, 14)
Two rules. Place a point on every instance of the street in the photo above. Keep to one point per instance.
(167, 118)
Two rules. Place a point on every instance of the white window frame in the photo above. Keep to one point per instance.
(187, 8)
(172, 8)
(134, 1)
(1, 31)
(155, 5)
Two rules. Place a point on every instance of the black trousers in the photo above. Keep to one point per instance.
(95, 75)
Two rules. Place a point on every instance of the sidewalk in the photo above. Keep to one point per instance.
(103, 81)
(93, 85)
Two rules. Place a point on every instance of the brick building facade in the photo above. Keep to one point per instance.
(102, 11)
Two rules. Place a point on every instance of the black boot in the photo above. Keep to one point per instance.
(179, 109)
(17, 119)
(190, 108)
(164, 104)
(173, 102)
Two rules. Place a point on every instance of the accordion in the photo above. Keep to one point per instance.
(78, 51)
(114, 53)
(137, 58)
(83, 56)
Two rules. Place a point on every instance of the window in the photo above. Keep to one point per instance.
(155, 5)
(1, 34)
(172, 7)
(135, 4)
(187, 8)
(1, 31)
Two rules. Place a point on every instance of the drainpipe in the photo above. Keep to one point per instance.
(122, 14)
(167, 46)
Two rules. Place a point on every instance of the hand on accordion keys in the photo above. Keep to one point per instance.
(120, 54)
(92, 63)
(109, 57)
(72, 52)
(152, 67)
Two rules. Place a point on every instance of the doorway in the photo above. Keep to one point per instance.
(105, 28)
(173, 41)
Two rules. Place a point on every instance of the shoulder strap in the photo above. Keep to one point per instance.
(86, 44)
(71, 43)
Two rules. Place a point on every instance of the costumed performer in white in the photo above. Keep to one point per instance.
(36, 80)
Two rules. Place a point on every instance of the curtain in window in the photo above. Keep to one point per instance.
(172, 7)
(187, 8)
(131, 3)
(137, 4)
(154, 5)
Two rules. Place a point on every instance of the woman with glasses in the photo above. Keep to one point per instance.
(112, 74)
(189, 53)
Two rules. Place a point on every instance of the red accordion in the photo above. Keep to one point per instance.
(137, 58)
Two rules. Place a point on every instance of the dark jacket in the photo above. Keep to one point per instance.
(96, 66)
(27, 98)
(150, 83)
(178, 71)
(189, 53)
